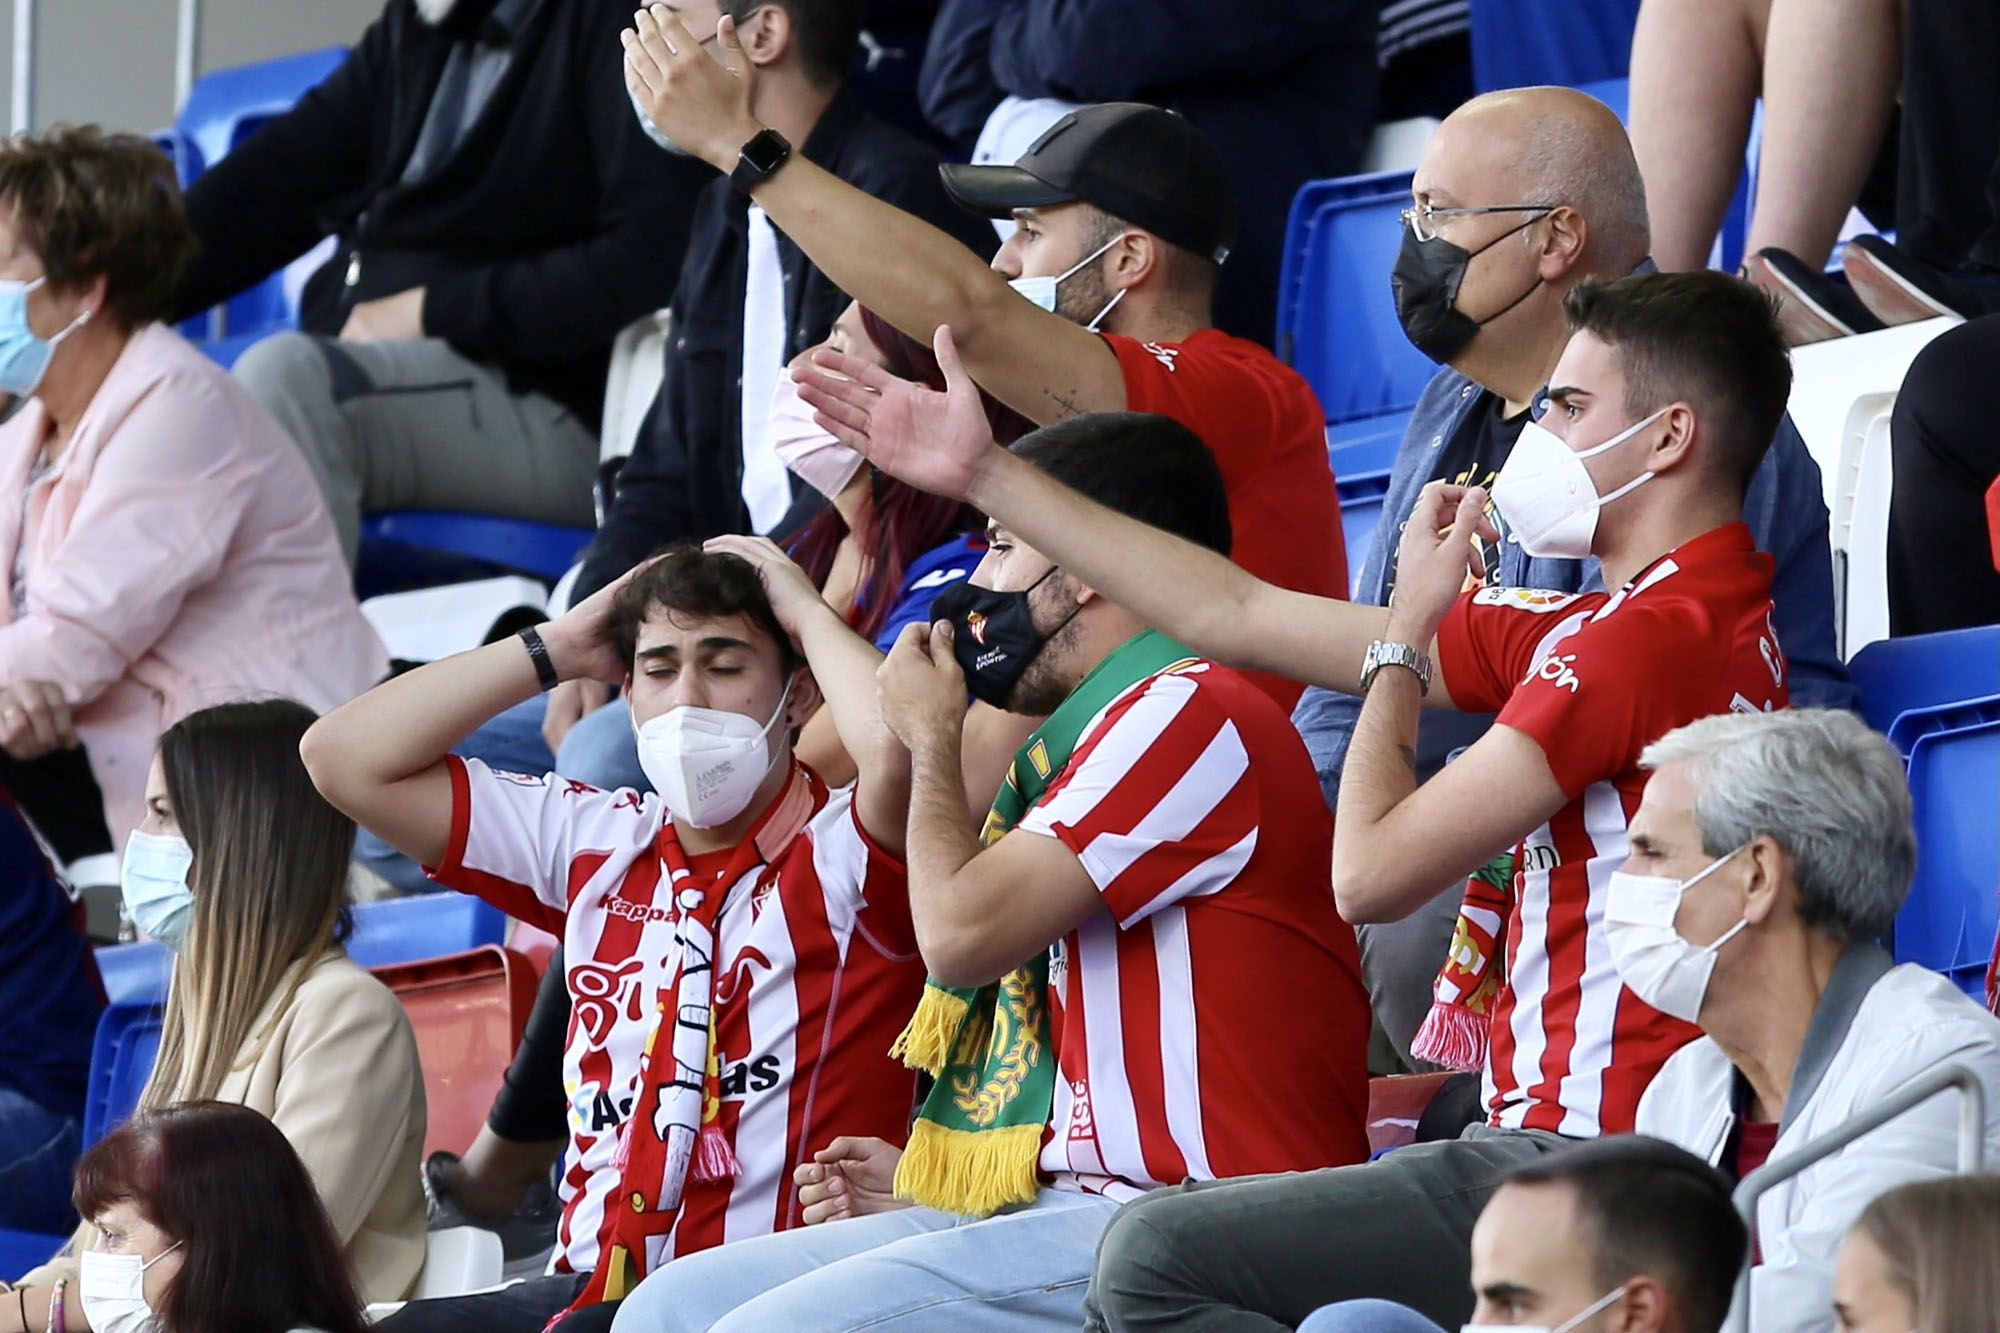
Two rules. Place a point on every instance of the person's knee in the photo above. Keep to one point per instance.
(666, 1302)
(283, 368)
(1367, 1316)
(1140, 1257)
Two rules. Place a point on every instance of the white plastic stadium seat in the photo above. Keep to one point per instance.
(1842, 393)
(1399, 144)
(457, 1262)
(638, 356)
(430, 623)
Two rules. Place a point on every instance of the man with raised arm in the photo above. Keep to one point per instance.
(1661, 408)
(1102, 300)
(737, 947)
(1101, 1019)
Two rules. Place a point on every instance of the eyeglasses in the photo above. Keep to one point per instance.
(1422, 220)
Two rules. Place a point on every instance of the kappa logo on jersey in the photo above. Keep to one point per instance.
(627, 910)
(1558, 672)
(1164, 355)
(603, 995)
(1524, 599)
(520, 779)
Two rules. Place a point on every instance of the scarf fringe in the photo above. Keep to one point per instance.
(926, 1043)
(714, 1159)
(969, 1172)
(1452, 1036)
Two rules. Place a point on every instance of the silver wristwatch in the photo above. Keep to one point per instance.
(1381, 654)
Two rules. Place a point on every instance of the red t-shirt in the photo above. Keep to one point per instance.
(1594, 678)
(1268, 434)
(1210, 1021)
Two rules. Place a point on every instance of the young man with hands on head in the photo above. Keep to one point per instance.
(1099, 1017)
(1661, 408)
(738, 947)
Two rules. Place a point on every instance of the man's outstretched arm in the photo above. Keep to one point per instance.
(940, 442)
(897, 265)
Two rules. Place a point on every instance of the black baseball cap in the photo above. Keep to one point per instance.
(1145, 165)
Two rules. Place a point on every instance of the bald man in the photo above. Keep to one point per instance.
(1521, 195)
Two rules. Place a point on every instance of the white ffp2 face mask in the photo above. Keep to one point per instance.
(1564, 1327)
(1655, 963)
(1545, 494)
(112, 1288)
(705, 763)
(1043, 290)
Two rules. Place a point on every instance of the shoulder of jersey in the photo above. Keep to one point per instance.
(1534, 600)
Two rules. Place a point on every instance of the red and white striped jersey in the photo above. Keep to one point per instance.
(1594, 678)
(1210, 1021)
(821, 973)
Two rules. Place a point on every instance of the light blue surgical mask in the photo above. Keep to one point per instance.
(24, 357)
(1042, 290)
(154, 882)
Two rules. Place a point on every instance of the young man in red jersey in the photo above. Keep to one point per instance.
(1100, 1016)
(738, 947)
(1124, 215)
(1660, 410)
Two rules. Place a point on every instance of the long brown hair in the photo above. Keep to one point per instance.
(269, 882)
(1938, 1239)
(228, 1185)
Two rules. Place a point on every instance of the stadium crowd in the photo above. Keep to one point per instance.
(989, 834)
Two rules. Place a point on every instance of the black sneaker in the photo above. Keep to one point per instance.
(530, 1231)
(1902, 290)
(1812, 307)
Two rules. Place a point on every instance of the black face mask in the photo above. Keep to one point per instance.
(993, 636)
(1426, 279)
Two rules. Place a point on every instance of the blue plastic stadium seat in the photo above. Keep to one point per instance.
(135, 973)
(1948, 922)
(404, 930)
(24, 1251)
(1923, 671)
(408, 548)
(1336, 315)
(1516, 43)
(221, 102)
(121, 1059)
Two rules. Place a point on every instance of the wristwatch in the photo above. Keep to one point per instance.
(1381, 654)
(760, 159)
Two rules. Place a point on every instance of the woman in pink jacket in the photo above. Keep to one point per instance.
(164, 543)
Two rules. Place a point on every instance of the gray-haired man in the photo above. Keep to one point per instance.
(1770, 853)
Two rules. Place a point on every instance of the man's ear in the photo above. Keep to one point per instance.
(1564, 241)
(1769, 868)
(626, 688)
(805, 700)
(766, 34)
(1675, 446)
(1646, 1307)
(1135, 256)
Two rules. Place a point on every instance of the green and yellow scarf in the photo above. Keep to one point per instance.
(973, 1147)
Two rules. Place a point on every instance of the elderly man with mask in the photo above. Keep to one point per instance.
(1769, 854)
(1521, 195)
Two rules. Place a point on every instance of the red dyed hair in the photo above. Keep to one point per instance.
(905, 522)
(227, 1184)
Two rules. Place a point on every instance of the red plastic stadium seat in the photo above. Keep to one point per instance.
(1395, 1104)
(468, 1010)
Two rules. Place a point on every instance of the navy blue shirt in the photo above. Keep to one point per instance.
(49, 989)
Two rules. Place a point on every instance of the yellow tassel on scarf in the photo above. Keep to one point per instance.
(926, 1043)
(969, 1172)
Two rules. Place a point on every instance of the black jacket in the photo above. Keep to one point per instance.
(1286, 91)
(685, 476)
(553, 225)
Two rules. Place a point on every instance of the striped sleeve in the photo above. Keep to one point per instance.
(1158, 802)
(514, 837)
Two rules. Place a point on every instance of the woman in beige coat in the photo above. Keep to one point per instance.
(265, 1008)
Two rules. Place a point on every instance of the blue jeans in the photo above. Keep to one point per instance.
(599, 749)
(915, 1270)
(38, 1152)
(1367, 1317)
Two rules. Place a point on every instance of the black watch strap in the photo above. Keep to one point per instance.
(538, 653)
(760, 159)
